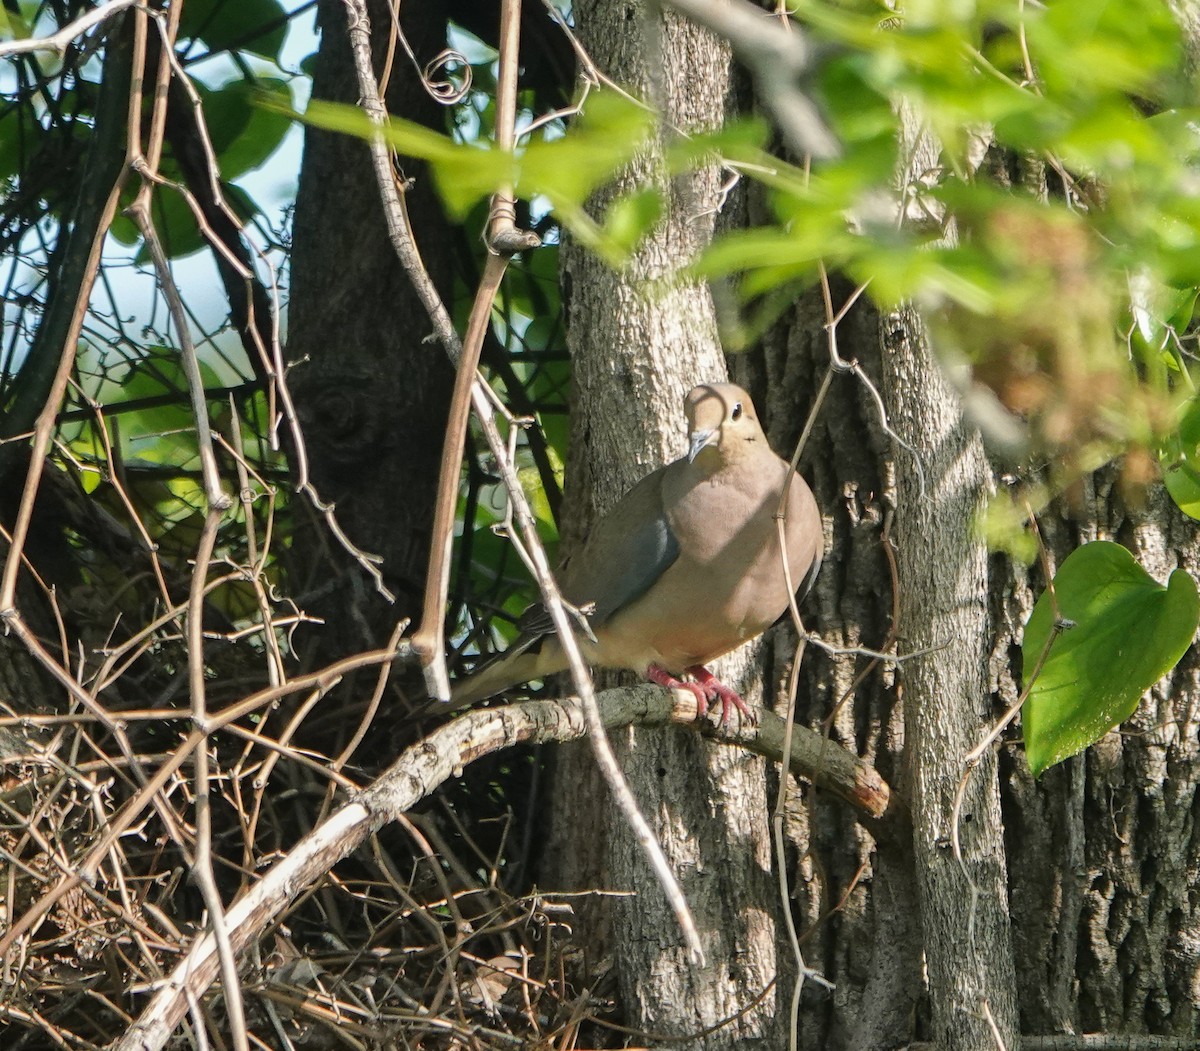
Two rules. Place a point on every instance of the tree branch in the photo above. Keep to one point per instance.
(59, 41)
(444, 754)
(83, 230)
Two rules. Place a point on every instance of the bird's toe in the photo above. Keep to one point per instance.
(715, 690)
(663, 677)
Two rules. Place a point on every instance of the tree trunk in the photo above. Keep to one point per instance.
(372, 392)
(635, 353)
(1072, 909)
(944, 616)
(855, 888)
(1104, 849)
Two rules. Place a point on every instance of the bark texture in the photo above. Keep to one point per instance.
(635, 352)
(1104, 849)
(372, 392)
(1074, 910)
(943, 610)
(854, 888)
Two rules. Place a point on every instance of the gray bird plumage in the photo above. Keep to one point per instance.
(685, 567)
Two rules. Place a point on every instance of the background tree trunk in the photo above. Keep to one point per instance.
(372, 393)
(943, 612)
(855, 890)
(634, 356)
(1103, 849)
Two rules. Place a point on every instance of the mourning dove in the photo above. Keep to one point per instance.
(684, 568)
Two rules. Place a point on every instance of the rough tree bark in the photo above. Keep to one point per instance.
(943, 609)
(855, 892)
(634, 355)
(372, 392)
(1102, 852)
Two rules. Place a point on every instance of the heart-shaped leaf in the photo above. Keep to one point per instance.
(1128, 632)
(1180, 458)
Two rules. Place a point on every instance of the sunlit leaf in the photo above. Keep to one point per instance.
(1180, 460)
(630, 218)
(565, 171)
(1128, 632)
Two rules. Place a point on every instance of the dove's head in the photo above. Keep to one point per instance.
(722, 423)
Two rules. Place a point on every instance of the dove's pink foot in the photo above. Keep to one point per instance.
(657, 674)
(707, 687)
(714, 688)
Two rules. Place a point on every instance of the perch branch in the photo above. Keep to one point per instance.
(444, 754)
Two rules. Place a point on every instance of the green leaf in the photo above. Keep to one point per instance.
(175, 224)
(631, 217)
(244, 135)
(1183, 483)
(257, 26)
(15, 128)
(1128, 632)
(565, 170)
(1088, 47)
(1180, 461)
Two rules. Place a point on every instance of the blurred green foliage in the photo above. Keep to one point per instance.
(1050, 233)
(1053, 241)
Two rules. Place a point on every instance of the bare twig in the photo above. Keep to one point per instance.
(399, 232)
(429, 638)
(202, 864)
(46, 420)
(426, 765)
(504, 235)
(59, 41)
(146, 164)
(123, 820)
(1057, 626)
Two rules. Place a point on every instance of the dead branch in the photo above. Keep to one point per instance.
(59, 41)
(444, 754)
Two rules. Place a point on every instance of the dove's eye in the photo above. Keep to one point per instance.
(737, 412)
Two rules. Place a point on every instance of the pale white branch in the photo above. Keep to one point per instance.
(58, 41)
